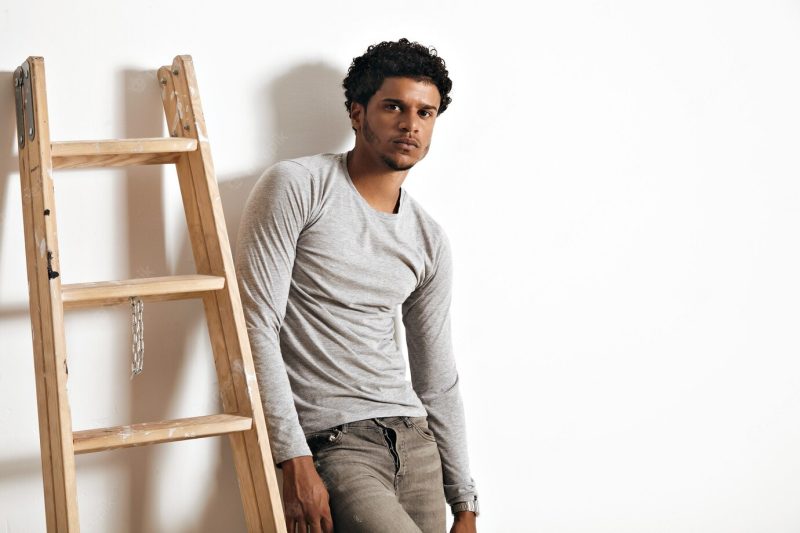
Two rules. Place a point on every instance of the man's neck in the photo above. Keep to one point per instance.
(377, 184)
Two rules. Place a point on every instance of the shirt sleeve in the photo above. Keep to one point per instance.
(426, 317)
(275, 214)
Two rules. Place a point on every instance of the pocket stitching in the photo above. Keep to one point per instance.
(421, 432)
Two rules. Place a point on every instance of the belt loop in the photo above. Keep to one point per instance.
(406, 421)
(344, 427)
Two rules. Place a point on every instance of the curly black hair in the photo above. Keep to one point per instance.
(390, 59)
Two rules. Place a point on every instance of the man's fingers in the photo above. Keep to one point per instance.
(295, 526)
(308, 524)
(325, 520)
(295, 523)
(302, 519)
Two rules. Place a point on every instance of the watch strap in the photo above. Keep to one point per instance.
(465, 506)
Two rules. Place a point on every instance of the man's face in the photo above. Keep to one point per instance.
(396, 126)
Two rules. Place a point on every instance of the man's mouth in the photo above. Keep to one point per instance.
(407, 142)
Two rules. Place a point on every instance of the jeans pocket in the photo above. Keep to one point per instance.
(320, 440)
(420, 424)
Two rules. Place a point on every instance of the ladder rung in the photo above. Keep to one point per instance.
(96, 440)
(104, 293)
(119, 152)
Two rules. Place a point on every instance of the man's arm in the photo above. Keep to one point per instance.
(277, 210)
(426, 316)
(274, 216)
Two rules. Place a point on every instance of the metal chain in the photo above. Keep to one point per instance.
(137, 332)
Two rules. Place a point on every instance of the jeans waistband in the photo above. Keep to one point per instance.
(384, 422)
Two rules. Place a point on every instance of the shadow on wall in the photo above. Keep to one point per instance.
(12, 314)
(309, 117)
(9, 169)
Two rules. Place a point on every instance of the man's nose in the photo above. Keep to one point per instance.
(409, 122)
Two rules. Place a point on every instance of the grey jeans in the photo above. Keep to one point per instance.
(384, 475)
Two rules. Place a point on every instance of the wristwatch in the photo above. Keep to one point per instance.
(466, 506)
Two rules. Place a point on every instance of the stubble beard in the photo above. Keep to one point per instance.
(371, 138)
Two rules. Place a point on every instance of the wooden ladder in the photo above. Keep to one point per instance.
(215, 283)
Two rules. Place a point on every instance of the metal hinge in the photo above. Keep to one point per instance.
(23, 94)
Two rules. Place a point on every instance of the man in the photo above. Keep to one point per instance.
(329, 247)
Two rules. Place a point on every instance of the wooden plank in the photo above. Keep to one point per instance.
(47, 315)
(119, 152)
(37, 327)
(152, 145)
(96, 440)
(238, 385)
(104, 293)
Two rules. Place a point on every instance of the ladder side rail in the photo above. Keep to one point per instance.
(195, 230)
(36, 320)
(46, 310)
(176, 112)
(173, 113)
(227, 329)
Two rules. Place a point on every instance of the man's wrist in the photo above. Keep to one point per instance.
(468, 507)
(302, 461)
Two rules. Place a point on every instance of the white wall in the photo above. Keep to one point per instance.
(619, 181)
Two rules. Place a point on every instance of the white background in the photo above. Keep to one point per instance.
(619, 181)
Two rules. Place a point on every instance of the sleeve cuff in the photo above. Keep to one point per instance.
(282, 455)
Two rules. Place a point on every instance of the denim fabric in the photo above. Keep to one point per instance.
(384, 475)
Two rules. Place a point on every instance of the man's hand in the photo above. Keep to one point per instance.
(305, 497)
(464, 522)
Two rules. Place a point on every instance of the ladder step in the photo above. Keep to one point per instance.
(96, 440)
(119, 152)
(97, 294)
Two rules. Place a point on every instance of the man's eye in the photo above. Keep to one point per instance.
(392, 107)
(426, 113)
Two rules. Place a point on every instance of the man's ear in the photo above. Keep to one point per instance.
(356, 115)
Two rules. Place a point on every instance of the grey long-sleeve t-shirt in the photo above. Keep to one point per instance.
(321, 275)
